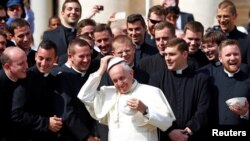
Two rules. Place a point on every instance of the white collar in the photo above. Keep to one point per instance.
(229, 74)
(67, 65)
(45, 74)
(218, 63)
(181, 70)
(10, 77)
(82, 73)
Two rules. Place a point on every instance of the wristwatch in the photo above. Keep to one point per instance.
(146, 111)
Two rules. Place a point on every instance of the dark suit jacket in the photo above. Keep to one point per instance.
(58, 37)
(185, 18)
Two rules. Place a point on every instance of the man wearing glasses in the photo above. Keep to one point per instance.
(226, 17)
(156, 14)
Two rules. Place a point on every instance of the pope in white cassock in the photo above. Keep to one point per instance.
(132, 111)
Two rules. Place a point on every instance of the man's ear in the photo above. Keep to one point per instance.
(220, 59)
(132, 72)
(185, 54)
(6, 66)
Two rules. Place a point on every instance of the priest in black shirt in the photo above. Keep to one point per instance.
(32, 106)
(164, 31)
(78, 125)
(229, 81)
(14, 63)
(186, 91)
(210, 44)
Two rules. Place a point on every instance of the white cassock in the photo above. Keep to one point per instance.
(109, 107)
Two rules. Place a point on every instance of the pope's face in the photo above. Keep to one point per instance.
(122, 79)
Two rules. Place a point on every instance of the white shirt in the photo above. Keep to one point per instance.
(108, 106)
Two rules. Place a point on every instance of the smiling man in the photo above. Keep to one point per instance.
(226, 17)
(186, 90)
(32, 106)
(20, 30)
(61, 36)
(230, 80)
(137, 29)
(210, 44)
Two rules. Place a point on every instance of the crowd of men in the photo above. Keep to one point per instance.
(165, 78)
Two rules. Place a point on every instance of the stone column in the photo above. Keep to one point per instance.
(42, 12)
(204, 11)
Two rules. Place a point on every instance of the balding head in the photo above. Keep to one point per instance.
(14, 62)
(9, 53)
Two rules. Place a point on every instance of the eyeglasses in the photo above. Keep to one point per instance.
(3, 19)
(154, 21)
(13, 8)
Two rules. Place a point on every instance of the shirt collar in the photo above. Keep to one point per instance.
(229, 74)
(10, 77)
(82, 73)
(180, 71)
(45, 74)
(137, 47)
(218, 63)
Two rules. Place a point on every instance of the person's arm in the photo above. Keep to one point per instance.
(199, 119)
(22, 117)
(95, 9)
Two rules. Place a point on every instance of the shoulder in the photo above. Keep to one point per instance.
(51, 33)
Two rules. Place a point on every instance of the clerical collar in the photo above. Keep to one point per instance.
(229, 74)
(217, 63)
(181, 70)
(67, 65)
(69, 29)
(82, 73)
(10, 77)
(45, 74)
(137, 47)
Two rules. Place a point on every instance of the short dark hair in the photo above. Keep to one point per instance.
(228, 42)
(228, 4)
(157, 9)
(85, 22)
(17, 23)
(53, 17)
(180, 43)
(79, 42)
(48, 44)
(135, 18)
(172, 9)
(165, 24)
(214, 36)
(194, 26)
(69, 1)
(102, 27)
(122, 39)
